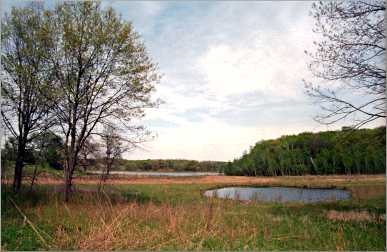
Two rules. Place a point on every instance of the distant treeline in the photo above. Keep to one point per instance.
(162, 165)
(361, 151)
(47, 149)
(347, 151)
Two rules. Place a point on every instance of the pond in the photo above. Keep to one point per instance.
(280, 194)
(158, 174)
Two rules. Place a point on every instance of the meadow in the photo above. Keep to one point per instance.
(84, 88)
(172, 214)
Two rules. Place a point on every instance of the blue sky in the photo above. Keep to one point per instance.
(232, 74)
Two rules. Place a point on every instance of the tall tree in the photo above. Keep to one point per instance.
(114, 147)
(350, 60)
(24, 110)
(89, 151)
(102, 70)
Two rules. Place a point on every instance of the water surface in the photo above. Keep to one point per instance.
(280, 194)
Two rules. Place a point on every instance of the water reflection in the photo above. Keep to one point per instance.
(280, 194)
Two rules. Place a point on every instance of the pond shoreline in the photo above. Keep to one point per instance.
(281, 194)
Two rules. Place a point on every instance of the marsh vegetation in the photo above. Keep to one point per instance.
(178, 217)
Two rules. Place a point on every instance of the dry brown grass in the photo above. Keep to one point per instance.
(151, 226)
(367, 192)
(95, 221)
(355, 216)
(148, 226)
(308, 180)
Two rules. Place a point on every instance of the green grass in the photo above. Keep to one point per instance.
(178, 217)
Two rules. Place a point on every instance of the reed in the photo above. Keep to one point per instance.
(179, 217)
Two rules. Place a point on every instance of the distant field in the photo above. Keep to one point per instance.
(281, 180)
(157, 174)
(143, 213)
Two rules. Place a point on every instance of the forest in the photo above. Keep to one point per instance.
(346, 151)
(46, 150)
(169, 165)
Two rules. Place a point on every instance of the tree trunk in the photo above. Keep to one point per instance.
(19, 168)
(67, 183)
(108, 167)
(69, 168)
(18, 174)
(70, 160)
(105, 172)
(34, 177)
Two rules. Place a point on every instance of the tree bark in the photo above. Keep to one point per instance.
(18, 174)
(19, 167)
(71, 158)
(69, 169)
(34, 177)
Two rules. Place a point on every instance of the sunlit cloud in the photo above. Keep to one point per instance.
(232, 74)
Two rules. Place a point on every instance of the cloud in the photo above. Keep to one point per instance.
(232, 74)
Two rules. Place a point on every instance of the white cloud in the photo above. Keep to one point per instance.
(211, 140)
(214, 57)
(273, 64)
(228, 68)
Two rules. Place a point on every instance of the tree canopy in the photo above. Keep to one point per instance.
(26, 80)
(79, 62)
(361, 151)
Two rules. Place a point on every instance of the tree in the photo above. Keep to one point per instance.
(10, 151)
(48, 148)
(350, 59)
(327, 152)
(114, 147)
(103, 74)
(89, 150)
(24, 110)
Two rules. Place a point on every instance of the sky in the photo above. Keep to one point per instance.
(232, 74)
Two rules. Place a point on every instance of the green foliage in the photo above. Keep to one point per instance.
(333, 152)
(44, 148)
(49, 148)
(177, 165)
(9, 152)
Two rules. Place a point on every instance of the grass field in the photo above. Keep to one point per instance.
(175, 216)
